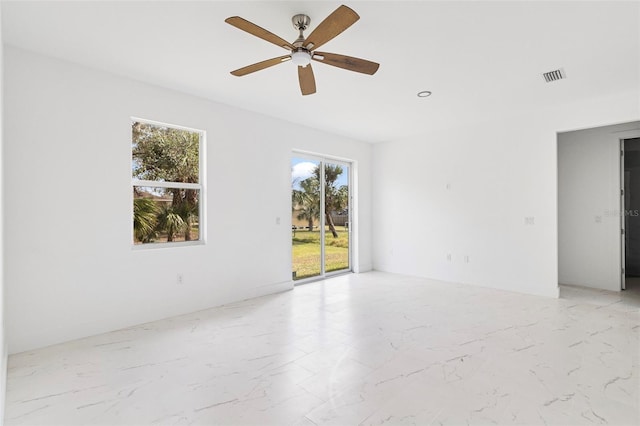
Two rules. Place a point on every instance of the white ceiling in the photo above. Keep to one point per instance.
(481, 59)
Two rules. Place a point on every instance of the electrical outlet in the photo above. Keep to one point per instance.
(466, 258)
(449, 257)
(278, 220)
(180, 279)
(529, 220)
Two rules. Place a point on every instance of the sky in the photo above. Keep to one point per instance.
(302, 168)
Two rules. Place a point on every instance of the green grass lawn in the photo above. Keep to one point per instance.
(306, 252)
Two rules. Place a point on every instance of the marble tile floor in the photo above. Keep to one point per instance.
(625, 301)
(368, 349)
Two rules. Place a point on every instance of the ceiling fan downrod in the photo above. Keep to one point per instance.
(300, 56)
(300, 22)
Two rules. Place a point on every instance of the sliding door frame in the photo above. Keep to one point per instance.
(350, 165)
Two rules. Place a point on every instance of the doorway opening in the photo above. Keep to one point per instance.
(321, 224)
(630, 207)
(592, 212)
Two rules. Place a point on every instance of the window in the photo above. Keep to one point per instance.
(166, 174)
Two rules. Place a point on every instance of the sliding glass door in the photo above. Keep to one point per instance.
(305, 218)
(321, 224)
(336, 215)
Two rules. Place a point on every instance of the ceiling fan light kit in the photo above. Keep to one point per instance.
(303, 48)
(301, 57)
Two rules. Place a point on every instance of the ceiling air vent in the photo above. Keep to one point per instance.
(554, 75)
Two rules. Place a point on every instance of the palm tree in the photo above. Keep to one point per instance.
(335, 198)
(145, 219)
(170, 222)
(188, 211)
(307, 201)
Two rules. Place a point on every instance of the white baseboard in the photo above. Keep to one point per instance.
(272, 288)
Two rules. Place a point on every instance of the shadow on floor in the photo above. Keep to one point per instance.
(626, 301)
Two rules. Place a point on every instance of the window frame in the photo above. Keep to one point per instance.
(200, 186)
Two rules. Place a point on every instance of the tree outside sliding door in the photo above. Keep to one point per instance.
(336, 215)
(320, 194)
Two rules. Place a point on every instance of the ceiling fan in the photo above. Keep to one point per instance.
(303, 49)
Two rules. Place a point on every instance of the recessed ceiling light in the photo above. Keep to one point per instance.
(424, 94)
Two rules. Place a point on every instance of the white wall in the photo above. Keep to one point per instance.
(589, 246)
(3, 340)
(466, 191)
(71, 271)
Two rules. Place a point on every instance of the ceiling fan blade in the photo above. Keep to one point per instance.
(307, 80)
(257, 31)
(347, 62)
(260, 65)
(341, 19)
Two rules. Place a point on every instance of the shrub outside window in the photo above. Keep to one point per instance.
(167, 183)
